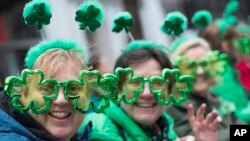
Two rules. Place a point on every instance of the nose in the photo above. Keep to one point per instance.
(61, 100)
(200, 70)
(146, 94)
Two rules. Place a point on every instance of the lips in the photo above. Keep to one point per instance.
(60, 114)
(145, 105)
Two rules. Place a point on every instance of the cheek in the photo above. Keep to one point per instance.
(42, 118)
(78, 118)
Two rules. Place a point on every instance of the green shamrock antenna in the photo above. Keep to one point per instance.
(231, 8)
(37, 12)
(123, 21)
(90, 15)
(202, 18)
(229, 18)
(174, 24)
(230, 11)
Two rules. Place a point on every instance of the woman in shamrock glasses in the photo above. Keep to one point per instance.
(142, 96)
(193, 56)
(221, 36)
(49, 98)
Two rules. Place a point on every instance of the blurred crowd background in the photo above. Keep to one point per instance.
(16, 38)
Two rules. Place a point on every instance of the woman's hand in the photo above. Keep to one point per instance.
(204, 128)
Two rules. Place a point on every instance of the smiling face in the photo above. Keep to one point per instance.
(145, 111)
(61, 120)
(202, 81)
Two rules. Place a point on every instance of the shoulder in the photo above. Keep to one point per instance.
(12, 130)
(171, 131)
(13, 137)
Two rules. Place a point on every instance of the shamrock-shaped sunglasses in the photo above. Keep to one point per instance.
(213, 64)
(32, 91)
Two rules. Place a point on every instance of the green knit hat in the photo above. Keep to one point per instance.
(182, 44)
(44, 46)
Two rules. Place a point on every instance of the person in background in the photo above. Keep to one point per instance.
(146, 119)
(98, 62)
(60, 60)
(189, 52)
(221, 37)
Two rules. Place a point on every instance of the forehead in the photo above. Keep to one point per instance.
(196, 53)
(147, 68)
(67, 70)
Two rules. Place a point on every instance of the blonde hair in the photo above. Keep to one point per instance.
(52, 59)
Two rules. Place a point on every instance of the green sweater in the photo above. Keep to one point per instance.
(105, 126)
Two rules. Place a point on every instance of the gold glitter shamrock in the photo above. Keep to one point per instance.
(170, 87)
(30, 91)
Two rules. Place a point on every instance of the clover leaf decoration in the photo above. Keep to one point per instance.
(217, 63)
(37, 12)
(128, 86)
(174, 24)
(243, 44)
(214, 64)
(185, 65)
(90, 15)
(122, 20)
(182, 85)
(79, 91)
(31, 91)
(171, 87)
(202, 18)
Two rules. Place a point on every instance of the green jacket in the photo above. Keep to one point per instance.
(114, 122)
(231, 89)
(224, 108)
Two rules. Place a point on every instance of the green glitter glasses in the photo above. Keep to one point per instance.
(32, 91)
(213, 64)
(167, 88)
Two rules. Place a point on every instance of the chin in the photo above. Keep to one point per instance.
(60, 134)
(146, 119)
(202, 89)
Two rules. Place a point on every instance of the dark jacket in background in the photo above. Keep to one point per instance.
(224, 108)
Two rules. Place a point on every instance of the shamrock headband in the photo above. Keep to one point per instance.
(137, 44)
(89, 15)
(123, 21)
(42, 47)
(175, 22)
